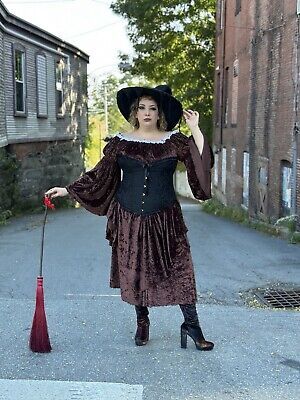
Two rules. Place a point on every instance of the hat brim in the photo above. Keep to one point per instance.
(171, 107)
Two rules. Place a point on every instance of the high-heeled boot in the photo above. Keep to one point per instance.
(191, 328)
(142, 333)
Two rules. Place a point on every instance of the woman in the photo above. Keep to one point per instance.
(151, 260)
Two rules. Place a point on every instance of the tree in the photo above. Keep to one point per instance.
(174, 44)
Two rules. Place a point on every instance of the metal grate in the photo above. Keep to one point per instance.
(280, 298)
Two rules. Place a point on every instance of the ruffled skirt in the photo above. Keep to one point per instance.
(151, 260)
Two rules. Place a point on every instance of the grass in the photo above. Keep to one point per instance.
(237, 214)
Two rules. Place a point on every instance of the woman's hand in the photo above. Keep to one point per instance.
(191, 118)
(56, 192)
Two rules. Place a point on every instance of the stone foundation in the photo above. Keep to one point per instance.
(27, 170)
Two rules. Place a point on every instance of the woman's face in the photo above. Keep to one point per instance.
(147, 113)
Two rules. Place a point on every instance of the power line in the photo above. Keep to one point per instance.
(51, 1)
(93, 30)
(37, 2)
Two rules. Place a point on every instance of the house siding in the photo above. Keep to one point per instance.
(3, 136)
(42, 150)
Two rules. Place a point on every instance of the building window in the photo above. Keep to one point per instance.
(286, 188)
(221, 15)
(216, 169)
(233, 160)
(59, 87)
(218, 99)
(238, 6)
(19, 82)
(41, 85)
(235, 83)
(226, 100)
(263, 175)
(246, 179)
(224, 170)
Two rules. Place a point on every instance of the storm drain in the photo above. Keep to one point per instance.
(279, 298)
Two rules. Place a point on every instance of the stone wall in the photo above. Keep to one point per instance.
(32, 168)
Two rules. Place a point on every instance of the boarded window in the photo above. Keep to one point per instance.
(233, 160)
(20, 84)
(224, 162)
(246, 179)
(218, 99)
(216, 169)
(235, 83)
(286, 188)
(226, 100)
(59, 87)
(221, 15)
(238, 6)
(41, 85)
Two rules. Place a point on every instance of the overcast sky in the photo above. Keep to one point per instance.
(87, 24)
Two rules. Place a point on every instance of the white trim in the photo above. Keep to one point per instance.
(130, 139)
(35, 42)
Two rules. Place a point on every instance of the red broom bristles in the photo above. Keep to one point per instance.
(39, 339)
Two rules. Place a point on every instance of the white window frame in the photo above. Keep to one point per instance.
(59, 89)
(17, 49)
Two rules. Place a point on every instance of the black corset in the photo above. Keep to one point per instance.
(146, 187)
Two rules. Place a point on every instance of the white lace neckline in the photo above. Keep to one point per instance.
(123, 136)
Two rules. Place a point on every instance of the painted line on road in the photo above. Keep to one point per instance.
(91, 295)
(67, 390)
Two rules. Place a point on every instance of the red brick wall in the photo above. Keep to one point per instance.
(263, 37)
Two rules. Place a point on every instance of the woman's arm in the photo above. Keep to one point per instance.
(192, 120)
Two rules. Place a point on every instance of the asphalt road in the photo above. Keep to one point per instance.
(256, 354)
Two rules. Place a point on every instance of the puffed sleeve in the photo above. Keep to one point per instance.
(198, 165)
(95, 188)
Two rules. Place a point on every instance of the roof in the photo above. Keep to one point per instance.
(10, 21)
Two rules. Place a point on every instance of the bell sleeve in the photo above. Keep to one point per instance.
(95, 189)
(198, 166)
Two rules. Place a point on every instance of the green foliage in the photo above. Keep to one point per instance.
(174, 44)
(94, 141)
(289, 222)
(237, 214)
(295, 238)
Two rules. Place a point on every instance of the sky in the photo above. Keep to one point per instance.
(89, 25)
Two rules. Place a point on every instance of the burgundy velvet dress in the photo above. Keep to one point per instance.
(151, 260)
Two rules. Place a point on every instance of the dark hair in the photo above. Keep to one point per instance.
(161, 123)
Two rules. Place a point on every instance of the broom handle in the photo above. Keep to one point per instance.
(42, 247)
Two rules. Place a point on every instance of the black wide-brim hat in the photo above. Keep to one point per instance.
(162, 94)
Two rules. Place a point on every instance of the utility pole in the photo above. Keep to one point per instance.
(105, 118)
(105, 109)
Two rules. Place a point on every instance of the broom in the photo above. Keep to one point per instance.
(39, 339)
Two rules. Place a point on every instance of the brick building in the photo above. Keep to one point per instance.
(256, 109)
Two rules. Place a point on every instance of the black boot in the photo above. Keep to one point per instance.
(142, 333)
(192, 328)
